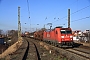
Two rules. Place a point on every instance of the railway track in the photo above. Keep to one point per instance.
(72, 53)
(75, 53)
(31, 51)
(80, 53)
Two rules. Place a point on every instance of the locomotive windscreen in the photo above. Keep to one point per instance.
(66, 32)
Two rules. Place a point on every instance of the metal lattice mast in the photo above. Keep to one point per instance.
(19, 24)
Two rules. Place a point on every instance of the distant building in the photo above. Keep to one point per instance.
(76, 32)
(86, 31)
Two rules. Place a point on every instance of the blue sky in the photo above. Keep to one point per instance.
(53, 10)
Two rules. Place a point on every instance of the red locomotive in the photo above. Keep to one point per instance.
(58, 36)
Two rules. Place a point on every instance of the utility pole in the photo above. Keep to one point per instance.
(68, 18)
(19, 24)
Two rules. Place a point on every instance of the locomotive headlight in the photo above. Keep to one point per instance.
(71, 36)
(62, 36)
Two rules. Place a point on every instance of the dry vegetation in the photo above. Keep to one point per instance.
(11, 49)
(14, 44)
(13, 35)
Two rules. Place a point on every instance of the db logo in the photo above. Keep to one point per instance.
(48, 35)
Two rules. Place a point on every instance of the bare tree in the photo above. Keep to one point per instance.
(13, 34)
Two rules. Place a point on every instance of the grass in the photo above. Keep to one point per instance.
(60, 58)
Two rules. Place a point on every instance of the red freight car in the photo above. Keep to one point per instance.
(59, 36)
(39, 35)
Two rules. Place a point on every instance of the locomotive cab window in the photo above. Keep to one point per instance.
(66, 32)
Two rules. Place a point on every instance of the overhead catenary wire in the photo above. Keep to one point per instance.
(79, 19)
(72, 13)
(58, 12)
(28, 9)
(29, 14)
(80, 9)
